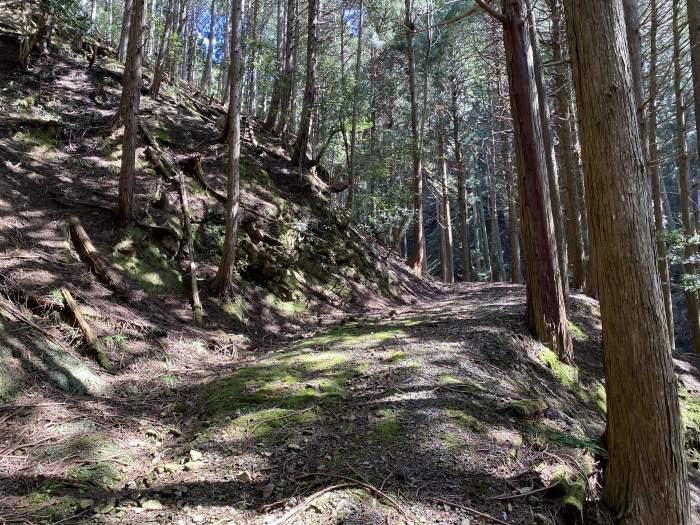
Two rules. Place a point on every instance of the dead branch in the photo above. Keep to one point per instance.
(187, 227)
(89, 336)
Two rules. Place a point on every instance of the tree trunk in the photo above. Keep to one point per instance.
(350, 204)
(131, 98)
(253, 74)
(515, 272)
(445, 214)
(417, 254)
(279, 57)
(655, 176)
(567, 169)
(124, 36)
(163, 51)
(465, 252)
(226, 59)
(548, 143)
(153, 16)
(496, 247)
(546, 313)
(302, 140)
(205, 84)
(287, 78)
(485, 247)
(646, 479)
(691, 296)
(223, 281)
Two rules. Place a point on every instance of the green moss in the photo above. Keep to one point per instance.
(578, 439)
(237, 309)
(447, 379)
(690, 414)
(388, 428)
(352, 335)
(397, 357)
(566, 374)
(466, 420)
(152, 270)
(572, 489)
(296, 306)
(528, 407)
(44, 137)
(361, 369)
(452, 441)
(44, 506)
(576, 331)
(264, 423)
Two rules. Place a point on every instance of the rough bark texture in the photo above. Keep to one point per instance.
(163, 50)
(416, 261)
(549, 156)
(223, 281)
(131, 98)
(287, 78)
(205, 84)
(691, 296)
(655, 176)
(350, 204)
(546, 314)
(279, 57)
(496, 248)
(646, 476)
(465, 251)
(124, 35)
(444, 209)
(514, 231)
(302, 140)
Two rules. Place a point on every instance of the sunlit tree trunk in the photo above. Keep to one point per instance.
(124, 36)
(655, 176)
(646, 479)
(287, 78)
(131, 98)
(223, 281)
(163, 51)
(513, 230)
(691, 296)
(350, 204)
(465, 251)
(445, 214)
(273, 110)
(545, 307)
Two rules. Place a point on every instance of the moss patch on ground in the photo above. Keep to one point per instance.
(465, 420)
(152, 269)
(353, 335)
(566, 374)
(388, 427)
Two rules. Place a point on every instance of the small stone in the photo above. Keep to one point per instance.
(267, 490)
(109, 507)
(151, 504)
(293, 446)
(151, 432)
(244, 476)
(194, 465)
(197, 518)
(85, 503)
(196, 455)
(171, 467)
(465, 521)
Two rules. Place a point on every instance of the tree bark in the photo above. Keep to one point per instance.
(691, 296)
(444, 209)
(302, 141)
(655, 176)
(546, 312)
(163, 51)
(465, 251)
(273, 110)
(496, 247)
(205, 84)
(514, 232)
(124, 35)
(223, 281)
(548, 143)
(130, 101)
(417, 254)
(287, 78)
(350, 204)
(646, 479)
(253, 74)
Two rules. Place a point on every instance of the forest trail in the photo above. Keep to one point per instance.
(444, 400)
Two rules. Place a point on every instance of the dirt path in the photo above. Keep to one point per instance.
(445, 400)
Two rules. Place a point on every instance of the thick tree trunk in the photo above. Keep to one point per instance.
(548, 143)
(567, 169)
(417, 254)
(546, 312)
(694, 36)
(131, 98)
(655, 176)
(124, 35)
(465, 251)
(646, 477)
(226, 59)
(691, 296)
(223, 281)
(445, 214)
(302, 141)
(350, 204)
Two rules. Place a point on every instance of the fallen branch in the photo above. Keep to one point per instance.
(194, 167)
(160, 164)
(473, 511)
(308, 501)
(187, 227)
(89, 336)
(88, 252)
(525, 494)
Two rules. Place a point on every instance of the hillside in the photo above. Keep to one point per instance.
(334, 387)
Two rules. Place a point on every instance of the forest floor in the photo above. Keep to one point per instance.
(367, 397)
(400, 416)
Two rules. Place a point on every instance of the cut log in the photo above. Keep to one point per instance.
(161, 164)
(89, 336)
(187, 228)
(91, 256)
